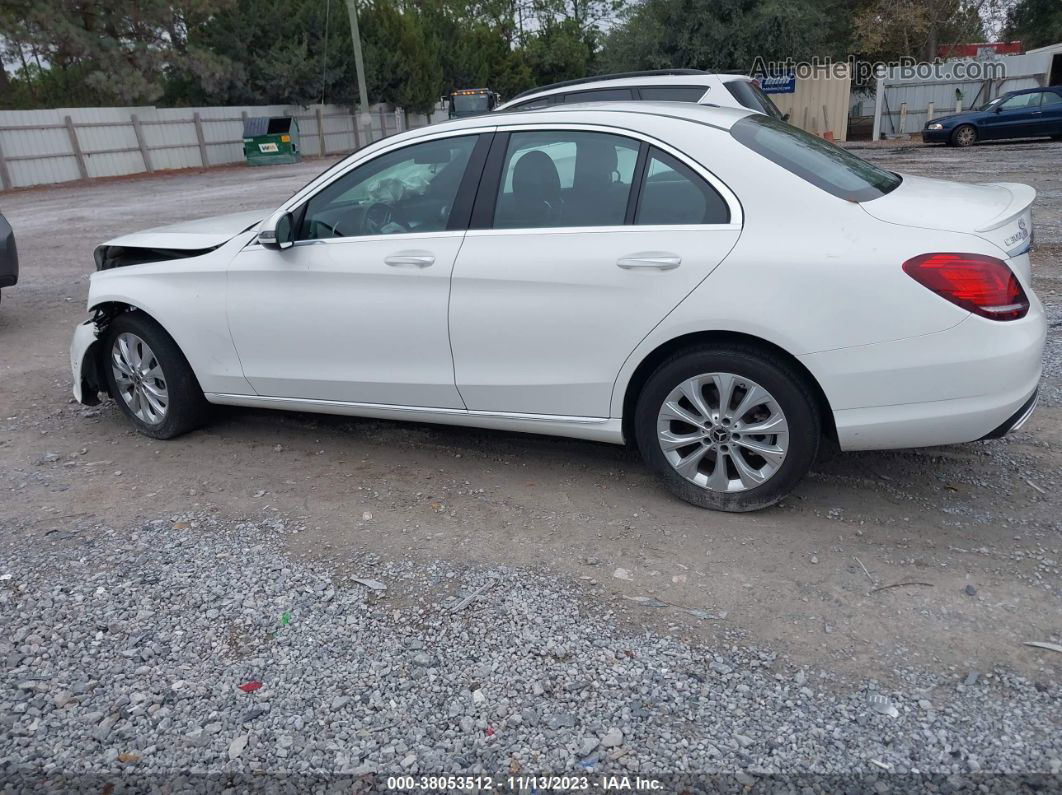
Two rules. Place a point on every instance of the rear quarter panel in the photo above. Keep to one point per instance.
(810, 272)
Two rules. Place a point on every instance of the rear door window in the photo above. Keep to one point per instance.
(813, 159)
(671, 93)
(570, 178)
(671, 193)
(534, 104)
(600, 95)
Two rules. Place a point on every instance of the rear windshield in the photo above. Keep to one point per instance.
(816, 160)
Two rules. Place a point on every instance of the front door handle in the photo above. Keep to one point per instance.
(650, 260)
(410, 259)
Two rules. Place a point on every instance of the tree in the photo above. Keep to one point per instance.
(1036, 22)
(889, 29)
(94, 51)
(718, 34)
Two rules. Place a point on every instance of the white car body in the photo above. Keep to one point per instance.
(538, 330)
(714, 88)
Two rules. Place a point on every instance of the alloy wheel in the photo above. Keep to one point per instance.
(723, 432)
(966, 136)
(139, 377)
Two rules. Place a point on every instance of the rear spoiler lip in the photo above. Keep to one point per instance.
(1021, 197)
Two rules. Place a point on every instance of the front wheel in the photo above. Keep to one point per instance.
(150, 379)
(964, 135)
(732, 429)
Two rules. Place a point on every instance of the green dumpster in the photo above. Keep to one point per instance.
(271, 140)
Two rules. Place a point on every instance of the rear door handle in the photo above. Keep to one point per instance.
(650, 260)
(410, 259)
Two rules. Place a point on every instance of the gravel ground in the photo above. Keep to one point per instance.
(623, 632)
(126, 650)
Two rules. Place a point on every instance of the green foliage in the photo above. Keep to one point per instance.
(93, 52)
(1036, 23)
(99, 52)
(719, 35)
(185, 52)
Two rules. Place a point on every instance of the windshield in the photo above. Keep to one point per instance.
(816, 160)
(470, 103)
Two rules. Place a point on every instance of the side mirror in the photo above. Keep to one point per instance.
(277, 231)
(785, 117)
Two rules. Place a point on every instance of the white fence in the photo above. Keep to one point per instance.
(904, 104)
(39, 147)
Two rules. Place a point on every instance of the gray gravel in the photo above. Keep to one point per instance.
(123, 651)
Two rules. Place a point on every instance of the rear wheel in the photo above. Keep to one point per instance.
(733, 429)
(150, 379)
(964, 135)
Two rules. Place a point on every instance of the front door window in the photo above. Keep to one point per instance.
(410, 190)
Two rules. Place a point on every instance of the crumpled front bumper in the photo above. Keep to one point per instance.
(83, 364)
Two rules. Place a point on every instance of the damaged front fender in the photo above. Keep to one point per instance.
(84, 364)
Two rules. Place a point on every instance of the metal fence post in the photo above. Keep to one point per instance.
(75, 146)
(320, 132)
(200, 139)
(398, 120)
(929, 113)
(354, 126)
(144, 153)
(5, 175)
(383, 122)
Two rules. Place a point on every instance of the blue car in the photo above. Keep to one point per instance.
(1031, 113)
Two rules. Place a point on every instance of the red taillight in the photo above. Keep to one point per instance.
(982, 285)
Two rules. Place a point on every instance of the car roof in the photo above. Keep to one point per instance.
(1034, 89)
(706, 79)
(667, 75)
(618, 113)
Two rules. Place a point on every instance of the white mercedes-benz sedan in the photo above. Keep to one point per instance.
(710, 284)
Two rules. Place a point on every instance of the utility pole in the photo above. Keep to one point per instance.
(359, 65)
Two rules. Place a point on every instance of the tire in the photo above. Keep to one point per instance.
(963, 135)
(761, 481)
(163, 399)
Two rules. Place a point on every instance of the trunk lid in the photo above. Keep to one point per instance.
(998, 212)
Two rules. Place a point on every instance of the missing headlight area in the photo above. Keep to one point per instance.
(108, 257)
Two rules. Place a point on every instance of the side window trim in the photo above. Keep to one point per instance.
(487, 195)
(683, 169)
(483, 211)
(461, 212)
(637, 180)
